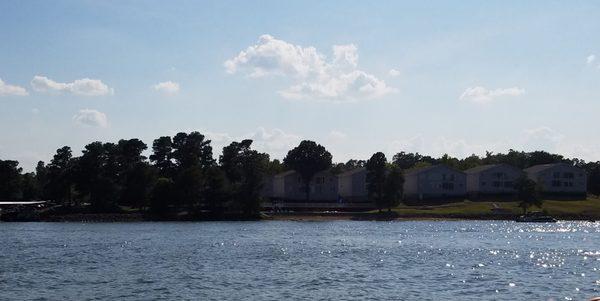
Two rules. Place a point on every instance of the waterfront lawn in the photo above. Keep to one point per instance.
(576, 209)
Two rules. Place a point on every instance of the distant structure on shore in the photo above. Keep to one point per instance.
(430, 183)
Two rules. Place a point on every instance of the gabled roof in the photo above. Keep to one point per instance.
(351, 172)
(291, 171)
(486, 167)
(416, 171)
(285, 173)
(541, 167)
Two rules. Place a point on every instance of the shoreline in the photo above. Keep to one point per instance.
(291, 216)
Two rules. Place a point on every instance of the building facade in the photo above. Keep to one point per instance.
(352, 185)
(492, 179)
(288, 186)
(438, 181)
(559, 178)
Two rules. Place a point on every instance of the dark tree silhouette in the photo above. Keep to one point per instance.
(376, 177)
(307, 159)
(408, 160)
(245, 168)
(593, 184)
(10, 180)
(527, 193)
(162, 197)
(60, 173)
(162, 149)
(393, 188)
(191, 150)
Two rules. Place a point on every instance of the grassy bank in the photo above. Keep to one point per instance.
(561, 209)
(588, 209)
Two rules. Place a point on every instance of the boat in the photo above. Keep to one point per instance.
(535, 217)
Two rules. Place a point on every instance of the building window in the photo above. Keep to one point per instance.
(555, 183)
(556, 175)
(482, 183)
(497, 184)
(448, 186)
(508, 184)
(568, 175)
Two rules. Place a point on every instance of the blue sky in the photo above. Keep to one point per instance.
(456, 77)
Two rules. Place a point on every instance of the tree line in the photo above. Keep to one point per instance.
(182, 175)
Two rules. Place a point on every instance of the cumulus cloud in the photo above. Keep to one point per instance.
(481, 95)
(591, 58)
(89, 117)
(315, 77)
(394, 72)
(167, 87)
(275, 142)
(84, 86)
(11, 90)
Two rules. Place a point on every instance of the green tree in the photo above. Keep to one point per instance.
(139, 180)
(189, 187)
(593, 177)
(60, 176)
(469, 162)
(393, 188)
(162, 149)
(527, 193)
(97, 176)
(162, 197)
(406, 160)
(307, 159)
(191, 150)
(192, 156)
(41, 178)
(30, 189)
(217, 192)
(10, 180)
(376, 179)
(245, 169)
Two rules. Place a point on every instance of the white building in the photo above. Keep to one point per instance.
(352, 185)
(492, 179)
(438, 181)
(289, 186)
(559, 178)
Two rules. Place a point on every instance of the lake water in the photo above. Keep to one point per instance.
(278, 260)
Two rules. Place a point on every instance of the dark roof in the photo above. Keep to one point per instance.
(416, 171)
(285, 173)
(482, 168)
(540, 167)
(351, 172)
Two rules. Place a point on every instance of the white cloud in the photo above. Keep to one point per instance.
(345, 55)
(337, 136)
(10, 90)
(314, 76)
(481, 95)
(167, 87)
(590, 59)
(438, 146)
(394, 72)
(542, 138)
(89, 117)
(275, 142)
(84, 86)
